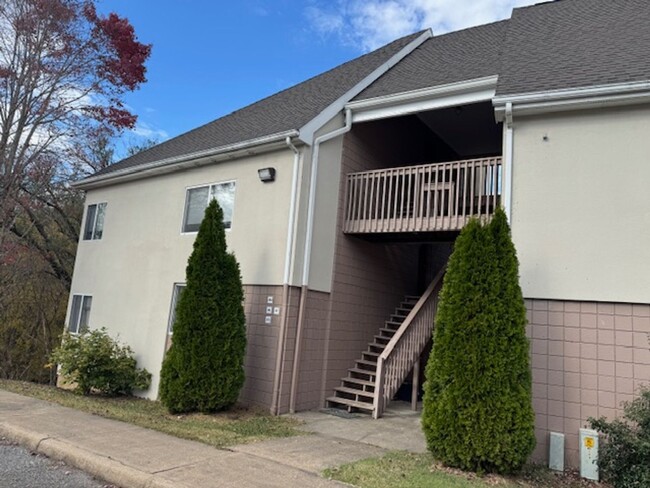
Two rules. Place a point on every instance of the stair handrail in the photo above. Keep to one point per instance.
(380, 395)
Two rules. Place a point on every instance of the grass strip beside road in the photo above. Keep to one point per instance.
(236, 426)
(410, 470)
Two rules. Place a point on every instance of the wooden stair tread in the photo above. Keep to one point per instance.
(357, 381)
(351, 403)
(363, 371)
(366, 362)
(384, 329)
(371, 353)
(354, 391)
(394, 322)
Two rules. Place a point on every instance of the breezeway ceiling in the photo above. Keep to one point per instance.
(470, 130)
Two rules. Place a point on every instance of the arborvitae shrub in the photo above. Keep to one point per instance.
(477, 406)
(204, 367)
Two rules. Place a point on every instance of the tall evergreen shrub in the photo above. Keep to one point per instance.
(477, 406)
(204, 368)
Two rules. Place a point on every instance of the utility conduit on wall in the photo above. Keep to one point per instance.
(288, 266)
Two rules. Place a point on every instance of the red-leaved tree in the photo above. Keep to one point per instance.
(64, 71)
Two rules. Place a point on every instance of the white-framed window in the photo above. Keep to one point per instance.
(94, 221)
(79, 313)
(176, 295)
(197, 199)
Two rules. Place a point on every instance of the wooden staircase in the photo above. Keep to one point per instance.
(357, 390)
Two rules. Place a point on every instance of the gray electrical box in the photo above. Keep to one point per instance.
(556, 452)
(589, 454)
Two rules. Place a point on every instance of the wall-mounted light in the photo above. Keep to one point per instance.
(266, 174)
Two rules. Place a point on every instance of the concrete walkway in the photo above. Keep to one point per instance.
(398, 429)
(134, 457)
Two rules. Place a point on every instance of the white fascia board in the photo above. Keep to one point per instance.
(449, 95)
(308, 131)
(574, 99)
(200, 158)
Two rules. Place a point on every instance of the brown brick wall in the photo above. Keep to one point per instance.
(587, 358)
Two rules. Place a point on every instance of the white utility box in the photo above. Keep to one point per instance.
(589, 454)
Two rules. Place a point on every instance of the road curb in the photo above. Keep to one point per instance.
(98, 465)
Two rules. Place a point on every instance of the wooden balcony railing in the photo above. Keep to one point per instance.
(423, 198)
(402, 353)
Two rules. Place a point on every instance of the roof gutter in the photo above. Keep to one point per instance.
(199, 158)
(618, 94)
(308, 131)
(430, 98)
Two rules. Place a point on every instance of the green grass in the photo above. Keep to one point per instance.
(236, 426)
(409, 470)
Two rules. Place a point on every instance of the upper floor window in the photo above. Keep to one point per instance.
(95, 221)
(79, 313)
(197, 199)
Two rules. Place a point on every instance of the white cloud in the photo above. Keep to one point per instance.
(369, 24)
(147, 131)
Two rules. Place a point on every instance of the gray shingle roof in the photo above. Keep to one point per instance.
(554, 45)
(575, 43)
(287, 110)
(462, 55)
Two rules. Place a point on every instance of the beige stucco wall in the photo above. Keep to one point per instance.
(327, 199)
(581, 207)
(130, 272)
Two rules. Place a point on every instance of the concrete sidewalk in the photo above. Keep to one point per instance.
(134, 457)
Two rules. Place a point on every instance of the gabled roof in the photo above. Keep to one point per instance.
(575, 43)
(458, 56)
(287, 110)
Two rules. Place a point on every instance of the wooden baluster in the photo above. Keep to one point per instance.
(353, 218)
(383, 199)
(464, 200)
(371, 208)
(409, 206)
(481, 188)
(456, 189)
(366, 192)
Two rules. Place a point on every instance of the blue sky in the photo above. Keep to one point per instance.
(212, 57)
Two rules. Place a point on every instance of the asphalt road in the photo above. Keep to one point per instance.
(19, 468)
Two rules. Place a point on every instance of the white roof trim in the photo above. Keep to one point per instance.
(442, 96)
(199, 158)
(574, 98)
(308, 131)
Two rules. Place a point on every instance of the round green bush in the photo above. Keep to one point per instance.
(95, 362)
(204, 368)
(478, 411)
(624, 457)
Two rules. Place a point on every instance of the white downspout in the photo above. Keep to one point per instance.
(288, 261)
(509, 149)
(307, 251)
(292, 212)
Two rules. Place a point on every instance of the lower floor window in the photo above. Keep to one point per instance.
(176, 295)
(79, 313)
